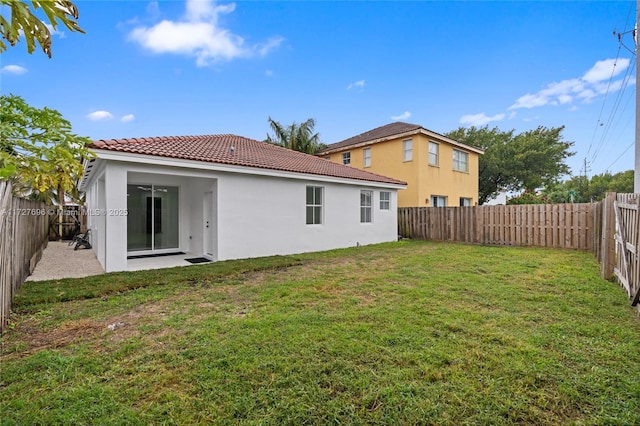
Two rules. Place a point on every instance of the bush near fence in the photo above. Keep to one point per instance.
(24, 229)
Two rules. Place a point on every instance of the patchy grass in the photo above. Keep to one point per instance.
(409, 332)
(64, 290)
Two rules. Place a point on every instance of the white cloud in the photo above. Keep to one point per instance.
(53, 31)
(593, 83)
(198, 35)
(359, 84)
(603, 70)
(265, 48)
(13, 69)
(128, 118)
(402, 116)
(268, 73)
(480, 119)
(100, 116)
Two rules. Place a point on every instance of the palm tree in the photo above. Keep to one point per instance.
(298, 137)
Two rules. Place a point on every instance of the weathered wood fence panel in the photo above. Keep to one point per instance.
(66, 221)
(24, 227)
(626, 262)
(570, 226)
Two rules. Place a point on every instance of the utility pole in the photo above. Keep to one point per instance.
(636, 179)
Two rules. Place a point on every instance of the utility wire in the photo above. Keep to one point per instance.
(614, 110)
(620, 156)
(604, 101)
(625, 80)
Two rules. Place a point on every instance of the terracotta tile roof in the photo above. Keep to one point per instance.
(238, 151)
(389, 131)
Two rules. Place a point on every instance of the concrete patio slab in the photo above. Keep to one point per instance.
(60, 260)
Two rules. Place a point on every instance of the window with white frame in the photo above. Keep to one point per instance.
(385, 200)
(465, 202)
(365, 206)
(346, 158)
(433, 153)
(407, 148)
(366, 160)
(460, 161)
(314, 205)
(438, 201)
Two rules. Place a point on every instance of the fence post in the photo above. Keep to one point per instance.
(608, 232)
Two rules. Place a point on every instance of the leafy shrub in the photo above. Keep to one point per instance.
(529, 197)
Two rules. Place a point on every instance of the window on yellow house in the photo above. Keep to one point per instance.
(465, 202)
(460, 161)
(438, 201)
(433, 153)
(407, 147)
(367, 157)
(346, 158)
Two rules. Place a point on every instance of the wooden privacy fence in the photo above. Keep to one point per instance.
(24, 227)
(621, 243)
(571, 226)
(66, 221)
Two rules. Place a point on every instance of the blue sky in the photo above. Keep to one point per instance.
(199, 67)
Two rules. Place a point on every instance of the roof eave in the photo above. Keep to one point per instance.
(426, 132)
(107, 154)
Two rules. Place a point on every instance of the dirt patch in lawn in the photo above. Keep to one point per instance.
(29, 337)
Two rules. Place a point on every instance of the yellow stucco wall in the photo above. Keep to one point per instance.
(423, 180)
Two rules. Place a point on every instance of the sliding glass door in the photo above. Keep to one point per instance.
(152, 220)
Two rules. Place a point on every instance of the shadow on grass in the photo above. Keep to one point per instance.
(35, 293)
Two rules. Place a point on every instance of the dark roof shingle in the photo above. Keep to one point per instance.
(390, 131)
(377, 133)
(239, 151)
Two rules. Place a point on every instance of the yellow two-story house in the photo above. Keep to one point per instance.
(439, 171)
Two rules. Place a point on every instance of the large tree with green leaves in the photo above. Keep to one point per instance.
(19, 19)
(39, 152)
(513, 162)
(298, 137)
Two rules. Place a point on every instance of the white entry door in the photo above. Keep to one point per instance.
(208, 224)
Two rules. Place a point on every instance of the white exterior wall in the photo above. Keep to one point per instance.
(253, 215)
(263, 216)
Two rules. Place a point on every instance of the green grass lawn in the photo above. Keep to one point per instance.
(401, 333)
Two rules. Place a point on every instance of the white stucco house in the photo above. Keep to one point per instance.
(228, 197)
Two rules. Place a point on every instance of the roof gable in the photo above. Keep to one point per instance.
(239, 151)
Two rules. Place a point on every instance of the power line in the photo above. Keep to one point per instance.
(614, 109)
(620, 156)
(625, 83)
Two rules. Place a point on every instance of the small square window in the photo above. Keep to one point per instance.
(460, 161)
(465, 202)
(385, 200)
(438, 201)
(346, 158)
